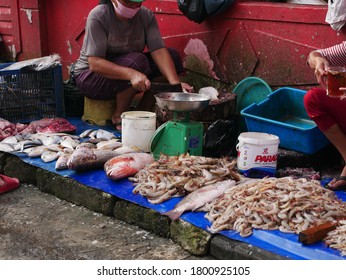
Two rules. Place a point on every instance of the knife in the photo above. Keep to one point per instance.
(164, 87)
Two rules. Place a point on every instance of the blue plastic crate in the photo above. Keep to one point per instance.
(28, 95)
(284, 115)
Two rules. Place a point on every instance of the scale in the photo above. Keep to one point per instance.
(179, 136)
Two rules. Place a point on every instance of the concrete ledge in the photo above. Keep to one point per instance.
(145, 218)
(13, 166)
(192, 239)
(224, 248)
(75, 192)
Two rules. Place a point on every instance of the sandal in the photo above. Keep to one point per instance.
(115, 126)
(10, 184)
(339, 188)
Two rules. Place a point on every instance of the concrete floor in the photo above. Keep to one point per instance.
(38, 226)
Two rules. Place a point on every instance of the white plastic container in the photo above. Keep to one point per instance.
(257, 154)
(138, 127)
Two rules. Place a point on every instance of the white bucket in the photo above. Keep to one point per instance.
(257, 154)
(138, 127)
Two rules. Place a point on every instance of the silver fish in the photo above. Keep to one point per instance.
(11, 140)
(6, 147)
(37, 151)
(20, 146)
(104, 134)
(86, 144)
(199, 198)
(28, 150)
(61, 162)
(86, 159)
(49, 140)
(86, 133)
(67, 150)
(109, 145)
(93, 134)
(68, 142)
(49, 156)
(125, 150)
(55, 147)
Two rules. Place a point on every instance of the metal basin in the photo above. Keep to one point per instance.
(182, 102)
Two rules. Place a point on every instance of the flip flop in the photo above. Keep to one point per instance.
(113, 126)
(10, 184)
(342, 187)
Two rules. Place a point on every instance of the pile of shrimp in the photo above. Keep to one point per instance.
(172, 176)
(337, 238)
(287, 204)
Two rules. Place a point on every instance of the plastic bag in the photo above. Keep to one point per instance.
(199, 10)
(336, 14)
(36, 64)
(193, 9)
(220, 139)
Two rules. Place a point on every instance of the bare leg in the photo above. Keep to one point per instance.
(123, 103)
(147, 102)
(338, 138)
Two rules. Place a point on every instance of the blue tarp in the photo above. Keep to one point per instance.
(283, 244)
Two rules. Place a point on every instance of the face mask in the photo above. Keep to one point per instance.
(124, 11)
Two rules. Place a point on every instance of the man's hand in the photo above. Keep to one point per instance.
(186, 87)
(317, 62)
(140, 82)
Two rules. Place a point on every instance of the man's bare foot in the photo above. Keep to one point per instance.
(338, 183)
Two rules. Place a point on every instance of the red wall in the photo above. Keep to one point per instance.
(22, 28)
(268, 40)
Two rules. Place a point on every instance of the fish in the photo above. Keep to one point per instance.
(109, 144)
(86, 144)
(12, 139)
(50, 139)
(48, 156)
(86, 133)
(55, 147)
(104, 134)
(126, 165)
(37, 151)
(28, 150)
(92, 134)
(61, 163)
(84, 158)
(199, 198)
(127, 150)
(20, 146)
(69, 142)
(6, 147)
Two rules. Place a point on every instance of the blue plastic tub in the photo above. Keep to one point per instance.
(283, 114)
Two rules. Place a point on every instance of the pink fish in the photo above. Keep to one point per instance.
(199, 198)
(126, 165)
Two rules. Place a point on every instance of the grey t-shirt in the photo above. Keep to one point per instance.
(106, 36)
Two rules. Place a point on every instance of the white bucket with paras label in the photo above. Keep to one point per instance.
(257, 154)
(138, 127)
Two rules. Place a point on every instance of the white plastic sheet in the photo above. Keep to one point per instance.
(336, 15)
(36, 64)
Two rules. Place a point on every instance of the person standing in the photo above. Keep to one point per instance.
(122, 52)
